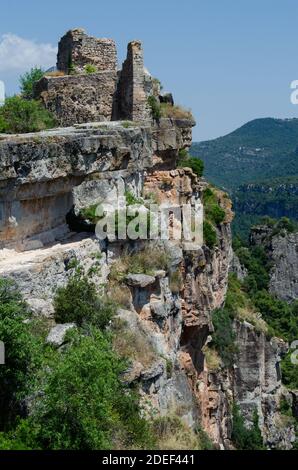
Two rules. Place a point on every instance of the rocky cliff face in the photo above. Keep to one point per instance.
(48, 179)
(282, 249)
(46, 176)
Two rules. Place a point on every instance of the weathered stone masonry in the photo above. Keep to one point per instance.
(77, 49)
(104, 95)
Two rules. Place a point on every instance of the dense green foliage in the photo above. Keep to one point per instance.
(246, 438)
(77, 397)
(213, 216)
(85, 406)
(209, 234)
(90, 68)
(281, 316)
(21, 353)
(28, 80)
(185, 160)
(223, 338)
(155, 107)
(258, 165)
(261, 149)
(19, 116)
(212, 210)
(79, 302)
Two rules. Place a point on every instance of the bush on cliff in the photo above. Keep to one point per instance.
(212, 209)
(20, 116)
(280, 316)
(85, 405)
(22, 353)
(246, 438)
(28, 80)
(80, 302)
(209, 234)
(223, 338)
(185, 160)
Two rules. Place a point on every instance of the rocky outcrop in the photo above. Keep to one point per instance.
(39, 272)
(44, 176)
(237, 268)
(257, 383)
(284, 274)
(281, 248)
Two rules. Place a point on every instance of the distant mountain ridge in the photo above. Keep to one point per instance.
(258, 165)
(261, 149)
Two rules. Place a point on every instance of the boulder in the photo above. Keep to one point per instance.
(57, 334)
(139, 280)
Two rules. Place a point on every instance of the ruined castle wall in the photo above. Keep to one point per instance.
(78, 98)
(131, 95)
(76, 49)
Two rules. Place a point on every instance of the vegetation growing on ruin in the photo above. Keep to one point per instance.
(167, 110)
(214, 215)
(90, 68)
(175, 112)
(155, 107)
(223, 338)
(209, 234)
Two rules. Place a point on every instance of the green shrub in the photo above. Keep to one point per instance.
(185, 160)
(22, 353)
(289, 372)
(244, 438)
(84, 405)
(20, 116)
(90, 68)
(28, 80)
(213, 212)
(280, 316)
(155, 107)
(223, 338)
(79, 302)
(209, 234)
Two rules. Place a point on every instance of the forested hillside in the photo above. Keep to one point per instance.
(258, 165)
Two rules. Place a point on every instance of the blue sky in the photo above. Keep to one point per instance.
(230, 61)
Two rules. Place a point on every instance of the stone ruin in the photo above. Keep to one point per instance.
(75, 96)
(47, 178)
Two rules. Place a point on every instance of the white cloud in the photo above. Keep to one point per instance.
(19, 54)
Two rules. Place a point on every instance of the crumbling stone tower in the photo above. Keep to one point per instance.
(76, 50)
(131, 93)
(74, 95)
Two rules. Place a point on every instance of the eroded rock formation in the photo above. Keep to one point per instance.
(47, 178)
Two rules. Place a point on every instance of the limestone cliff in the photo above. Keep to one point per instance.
(48, 178)
(281, 247)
